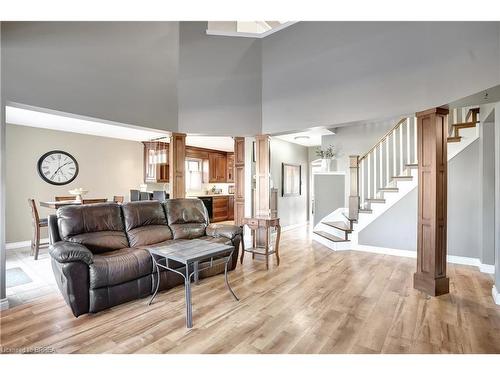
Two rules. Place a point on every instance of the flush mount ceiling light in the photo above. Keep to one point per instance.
(305, 137)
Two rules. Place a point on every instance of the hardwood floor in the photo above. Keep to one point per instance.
(316, 301)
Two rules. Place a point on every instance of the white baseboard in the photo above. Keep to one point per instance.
(455, 259)
(495, 295)
(386, 250)
(4, 304)
(20, 244)
(487, 268)
(293, 226)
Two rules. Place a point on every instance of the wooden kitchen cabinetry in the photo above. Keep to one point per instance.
(156, 168)
(230, 208)
(220, 208)
(217, 167)
(230, 167)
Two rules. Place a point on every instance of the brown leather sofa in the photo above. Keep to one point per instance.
(98, 250)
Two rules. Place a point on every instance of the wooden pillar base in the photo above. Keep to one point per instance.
(431, 286)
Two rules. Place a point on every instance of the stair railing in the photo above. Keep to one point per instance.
(387, 158)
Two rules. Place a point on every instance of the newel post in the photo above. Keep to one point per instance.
(354, 187)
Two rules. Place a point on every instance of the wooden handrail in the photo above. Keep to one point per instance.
(400, 122)
(472, 112)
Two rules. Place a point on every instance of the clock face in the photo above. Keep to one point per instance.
(57, 167)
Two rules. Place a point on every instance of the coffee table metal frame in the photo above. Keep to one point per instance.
(180, 256)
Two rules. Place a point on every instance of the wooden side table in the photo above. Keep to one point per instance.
(266, 223)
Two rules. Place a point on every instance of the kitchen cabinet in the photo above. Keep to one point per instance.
(217, 167)
(220, 208)
(156, 168)
(230, 167)
(230, 208)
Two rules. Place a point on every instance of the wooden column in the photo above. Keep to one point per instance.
(354, 187)
(176, 159)
(432, 134)
(262, 175)
(239, 180)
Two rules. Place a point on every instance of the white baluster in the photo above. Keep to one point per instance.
(408, 143)
(381, 178)
(394, 152)
(387, 175)
(369, 168)
(415, 133)
(401, 161)
(375, 174)
(362, 181)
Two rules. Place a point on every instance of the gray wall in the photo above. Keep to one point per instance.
(487, 191)
(329, 192)
(325, 73)
(219, 83)
(113, 167)
(497, 196)
(119, 71)
(396, 228)
(2, 179)
(291, 210)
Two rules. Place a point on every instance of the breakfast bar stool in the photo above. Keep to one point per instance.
(37, 224)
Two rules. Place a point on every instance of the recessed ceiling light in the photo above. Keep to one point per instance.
(304, 137)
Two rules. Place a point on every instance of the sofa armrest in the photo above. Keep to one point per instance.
(224, 230)
(65, 252)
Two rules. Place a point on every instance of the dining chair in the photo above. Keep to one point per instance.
(95, 200)
(159, 195)
(145, 196)
(64, 198)
(37, 224)
(135, 195)
(118, 198)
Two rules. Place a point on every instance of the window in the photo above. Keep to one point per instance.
(193, 174)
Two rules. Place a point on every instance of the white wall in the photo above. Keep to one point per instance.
(326, 73)
(219, 83)
(291, 210)
(107, 167)
(119, 71)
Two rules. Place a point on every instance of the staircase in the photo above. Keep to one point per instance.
(385, 174)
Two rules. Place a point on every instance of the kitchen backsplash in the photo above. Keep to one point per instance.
(204, 187)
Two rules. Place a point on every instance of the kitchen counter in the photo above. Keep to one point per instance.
(209, 195)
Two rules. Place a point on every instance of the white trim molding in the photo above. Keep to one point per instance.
(495, 295)
(21, 244)
(251, 35)
(455, 259)
(4, 304)
(293, 226)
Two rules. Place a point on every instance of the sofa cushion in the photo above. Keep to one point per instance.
(145, 223)
(188, 218)
(99, 227)
(119, 266)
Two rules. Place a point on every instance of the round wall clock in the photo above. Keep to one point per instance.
(57, 167)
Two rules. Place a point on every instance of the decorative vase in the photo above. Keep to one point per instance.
(326, 165)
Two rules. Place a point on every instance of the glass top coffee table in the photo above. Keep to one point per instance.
(191, 253)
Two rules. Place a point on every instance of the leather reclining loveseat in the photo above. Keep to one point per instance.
(98, 250)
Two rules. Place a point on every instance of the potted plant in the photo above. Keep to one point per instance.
(327, 155)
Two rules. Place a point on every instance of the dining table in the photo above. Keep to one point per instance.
(57, 204)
